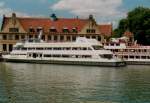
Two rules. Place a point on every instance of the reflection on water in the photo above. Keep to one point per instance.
(45, 83)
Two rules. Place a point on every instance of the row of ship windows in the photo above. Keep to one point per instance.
(35, 55)
(64, 48)
(130, 50)
(136, 57)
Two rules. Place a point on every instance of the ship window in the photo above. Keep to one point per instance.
(126, 57)
(39, 48)
(84, 48)
(132, 57)
(68, 48)
(144, 50)
(47, 55)
(65, 56)
(143, 57)
(137, 57)
(148, 57)
(49, 48)
(108, 56)
(74, 48)
(117, 44)
(86, 56)
(89, 48)
(31, 48)
(24, 48)
(56, 55)
(97, 47)
(56, 48)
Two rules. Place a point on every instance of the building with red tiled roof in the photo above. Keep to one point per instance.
(129, 35)
(55, 29)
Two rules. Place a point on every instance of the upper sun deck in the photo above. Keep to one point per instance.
(80, 42)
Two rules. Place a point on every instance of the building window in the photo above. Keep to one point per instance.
(49, 37)
(99, 38)
(10, 37)
(13, 30)
(4, 37)
(73, 38)
(30, 36)
(10, 47)
(22, 37)
(31, 30)
(4, 47)
(65, 30)
(90, 31)
(43, 37)
(16, 37)
(55, 38)
(68, 38)
(39, 29)
(93, 37)
(52, 30)
(74, 30)
(61, 38)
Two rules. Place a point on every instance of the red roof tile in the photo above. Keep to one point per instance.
(128, 34)
(47, 23)
(106, 29)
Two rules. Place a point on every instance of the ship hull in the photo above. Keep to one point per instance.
(86, 63)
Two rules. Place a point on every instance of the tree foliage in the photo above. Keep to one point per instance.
(138, 22)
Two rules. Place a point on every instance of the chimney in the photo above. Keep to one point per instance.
(13, 18)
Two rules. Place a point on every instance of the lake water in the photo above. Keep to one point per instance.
(47, 83)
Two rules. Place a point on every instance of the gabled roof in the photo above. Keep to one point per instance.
(128, 34)
(59, 24)
(106, 29)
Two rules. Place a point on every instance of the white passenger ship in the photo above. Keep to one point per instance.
(82, 52)
(134, 54)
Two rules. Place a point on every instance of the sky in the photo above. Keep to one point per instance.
(104, 11)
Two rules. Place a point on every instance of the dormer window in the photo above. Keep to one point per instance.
(65, 30)
(53, 29)
(31, 30)
(39, 29)
(90, 30)
(74, 30)
(13, 30)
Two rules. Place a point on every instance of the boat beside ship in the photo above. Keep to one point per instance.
(133, 54)
(81, 52)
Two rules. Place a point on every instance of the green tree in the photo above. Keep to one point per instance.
(138, 22)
